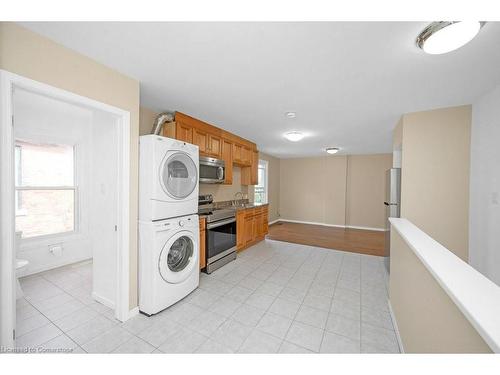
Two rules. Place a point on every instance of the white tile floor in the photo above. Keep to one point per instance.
(276, 297)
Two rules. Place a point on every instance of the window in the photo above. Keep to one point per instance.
(261, 187)
(45, 188)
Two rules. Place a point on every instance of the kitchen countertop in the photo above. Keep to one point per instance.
(249, 205)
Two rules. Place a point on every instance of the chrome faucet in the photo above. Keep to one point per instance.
(236, 196)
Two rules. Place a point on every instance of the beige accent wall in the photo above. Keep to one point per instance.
(273, 192)
(427, 319)
(335, 190)
(435, 174)
(146, 119)
(366, 190)
(31, 55)
(313, 189)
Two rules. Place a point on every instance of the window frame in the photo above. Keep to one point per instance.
(75, 187)
(265, 167)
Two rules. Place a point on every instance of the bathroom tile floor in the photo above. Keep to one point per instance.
(277, 297)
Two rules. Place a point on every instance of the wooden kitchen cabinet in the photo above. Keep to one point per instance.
(242, 155)
(178, 130)
(200, 139)
(251, 226)
(240, 229)
(258, 223)
(265, 220)
(250, 175)
(203, 253)
(217, 143)
(214, 146)
(184, 132)
(227, 156)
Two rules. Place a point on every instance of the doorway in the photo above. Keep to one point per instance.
(65, 203)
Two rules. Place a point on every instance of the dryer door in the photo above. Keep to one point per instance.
(178, 257)
(178, 175)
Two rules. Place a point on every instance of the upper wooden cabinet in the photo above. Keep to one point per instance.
(214, 146)
(242, 155)
(217, 143)
(250, 175)
(227, 156)
(184, 132)
(200, 139)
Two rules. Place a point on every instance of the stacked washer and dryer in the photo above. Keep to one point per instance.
(168, 222)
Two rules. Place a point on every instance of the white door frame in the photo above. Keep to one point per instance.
(9, 81)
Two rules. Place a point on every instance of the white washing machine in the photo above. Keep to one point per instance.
(168, 178)
(168, 262)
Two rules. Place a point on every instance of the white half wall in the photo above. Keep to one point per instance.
(484, 219)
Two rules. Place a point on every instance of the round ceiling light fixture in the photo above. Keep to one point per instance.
(446, 36)
(332, 150)
(290, 114)
(294, 136)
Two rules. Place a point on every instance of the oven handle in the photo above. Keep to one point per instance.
(221, 223)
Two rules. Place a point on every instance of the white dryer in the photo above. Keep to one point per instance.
(168, 178)
(168, 262)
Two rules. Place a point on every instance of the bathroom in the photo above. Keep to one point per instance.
(66, 212)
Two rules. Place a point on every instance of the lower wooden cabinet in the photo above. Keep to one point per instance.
(265, 220)
(203, 258)
(251, 226)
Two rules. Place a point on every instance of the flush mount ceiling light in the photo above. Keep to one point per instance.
(332, 150)
(446, 36)
(294, 136)
(290, 114)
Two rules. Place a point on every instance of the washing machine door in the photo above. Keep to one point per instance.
(178, 175)
(178, 257)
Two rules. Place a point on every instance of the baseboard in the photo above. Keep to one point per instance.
(105, 301)
(330, 225)
(396, 329)
(273, 222)
(366, 228)
(133, 312)
(66, 263)
(311, 223)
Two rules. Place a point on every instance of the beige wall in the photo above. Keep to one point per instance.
(435, 175)
(31, 55)
(335, 190)
(366, 190)
(428, 320)
(313, 189)
(146, 119)
(273, 192)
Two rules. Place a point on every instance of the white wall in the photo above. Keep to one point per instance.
(94, 135)
(102, 206)
(484, 222)
(48, 120)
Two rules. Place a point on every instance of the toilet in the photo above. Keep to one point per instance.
(20, 265)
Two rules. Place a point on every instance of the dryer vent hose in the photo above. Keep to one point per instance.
(161, 119)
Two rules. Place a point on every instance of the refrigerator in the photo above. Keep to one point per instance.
(392, 206)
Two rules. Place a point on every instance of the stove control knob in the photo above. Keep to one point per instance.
(181, 223)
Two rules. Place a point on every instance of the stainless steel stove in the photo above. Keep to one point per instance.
(220, 233)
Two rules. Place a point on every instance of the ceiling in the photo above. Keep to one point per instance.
(348, 82)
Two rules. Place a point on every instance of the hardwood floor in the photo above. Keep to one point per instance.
(353, 240)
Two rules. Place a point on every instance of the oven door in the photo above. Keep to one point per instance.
(211, 173)
(221, 239)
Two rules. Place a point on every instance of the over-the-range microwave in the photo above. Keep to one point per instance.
(212, 171)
